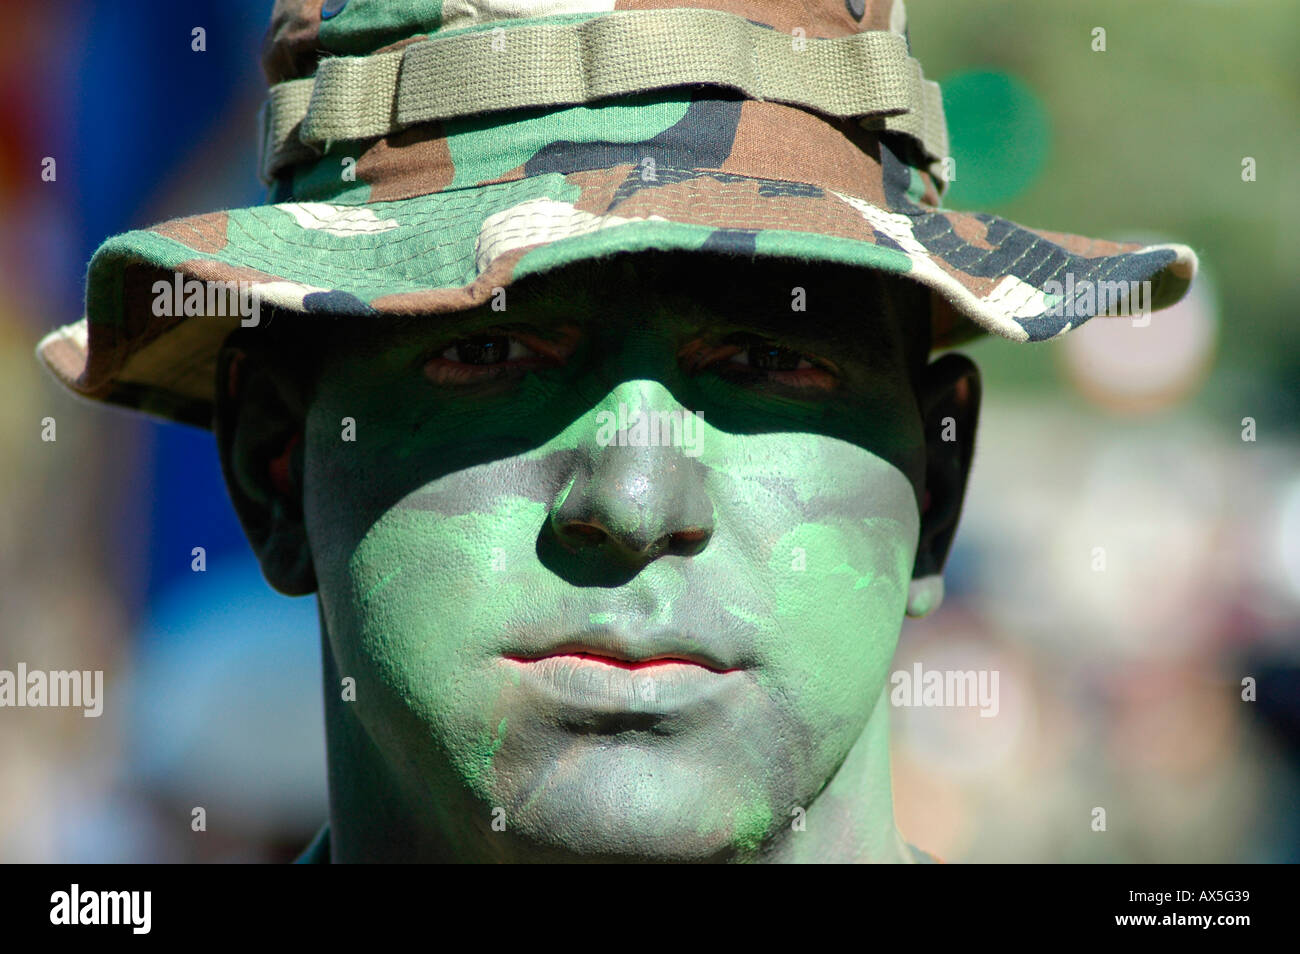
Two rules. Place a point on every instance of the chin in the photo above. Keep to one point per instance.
(607, 800)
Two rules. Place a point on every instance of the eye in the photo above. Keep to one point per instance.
(770, 357)
(488, 349)
(498, 354)
(757, 361)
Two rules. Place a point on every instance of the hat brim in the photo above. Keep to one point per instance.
(448, 251)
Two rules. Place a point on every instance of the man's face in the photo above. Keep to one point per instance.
(631, 650)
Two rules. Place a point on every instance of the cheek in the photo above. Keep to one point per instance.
(827, 533)
(417, 610)
(421, 595)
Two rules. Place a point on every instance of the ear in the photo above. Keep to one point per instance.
(260, 414)
(949, 398)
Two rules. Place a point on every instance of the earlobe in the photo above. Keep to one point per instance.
(259, 425)
(949, 398)
(924, 595)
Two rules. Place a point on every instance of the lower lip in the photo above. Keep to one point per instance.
(603, 685)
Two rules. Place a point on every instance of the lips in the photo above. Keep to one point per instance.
(597, 657)
(622, 650)
(631, 664)
(608, 673)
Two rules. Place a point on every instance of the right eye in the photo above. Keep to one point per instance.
(497, 354)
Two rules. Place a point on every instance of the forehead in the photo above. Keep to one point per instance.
(793, 300)
(829, 309)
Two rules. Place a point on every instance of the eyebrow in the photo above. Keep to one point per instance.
(722, 301)
(713, 301)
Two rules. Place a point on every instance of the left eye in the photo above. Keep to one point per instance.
(765, 357)
(488, 349)
(758, 362)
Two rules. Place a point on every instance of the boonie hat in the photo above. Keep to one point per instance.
(420, 154)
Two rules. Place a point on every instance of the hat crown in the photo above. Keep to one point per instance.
(304, 31)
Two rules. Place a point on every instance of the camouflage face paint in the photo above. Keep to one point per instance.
(471, 528)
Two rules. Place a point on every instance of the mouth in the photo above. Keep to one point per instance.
(601, 673)
(632, 651)
(604, 657)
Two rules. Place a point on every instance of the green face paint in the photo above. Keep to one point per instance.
(480, 539)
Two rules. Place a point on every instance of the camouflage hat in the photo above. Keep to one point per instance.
(422, 153)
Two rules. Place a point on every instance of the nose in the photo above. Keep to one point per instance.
(637, 496)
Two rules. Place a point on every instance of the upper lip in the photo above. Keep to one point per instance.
(618, 648)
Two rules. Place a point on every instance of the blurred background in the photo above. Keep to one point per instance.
(1120, 688)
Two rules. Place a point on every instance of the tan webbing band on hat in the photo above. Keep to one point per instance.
(925, 124)
(867, 74)
(282, 114)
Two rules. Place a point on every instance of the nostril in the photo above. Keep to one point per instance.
(687, 542)
(582, 535)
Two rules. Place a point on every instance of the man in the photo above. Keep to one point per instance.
(593, 400)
